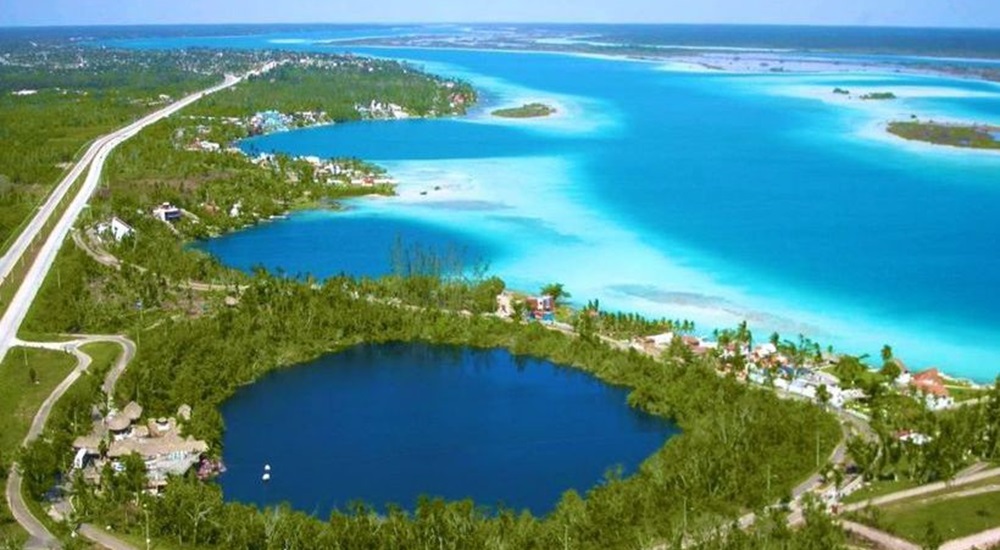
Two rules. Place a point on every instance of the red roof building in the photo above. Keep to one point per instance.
(930, 381)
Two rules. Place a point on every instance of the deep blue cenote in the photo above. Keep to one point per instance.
(388, 423)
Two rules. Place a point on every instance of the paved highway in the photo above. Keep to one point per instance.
(18, 308)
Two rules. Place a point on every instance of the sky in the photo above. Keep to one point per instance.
(920, 13)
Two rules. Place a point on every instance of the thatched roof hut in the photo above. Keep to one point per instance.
(133, 411)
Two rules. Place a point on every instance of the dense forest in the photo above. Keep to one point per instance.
(337, 85)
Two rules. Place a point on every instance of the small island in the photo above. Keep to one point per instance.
(956, 135)
(528, 110)
(878, 96)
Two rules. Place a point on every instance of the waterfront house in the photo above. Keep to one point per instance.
(930, 384)
(661, 340)
(159, 442)
(929, 381)
(505, 305)
(167, 212)
(269, 121)
(542, 308)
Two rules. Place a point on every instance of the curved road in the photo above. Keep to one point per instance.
(96, 156)
(17, 310)
(39, 535)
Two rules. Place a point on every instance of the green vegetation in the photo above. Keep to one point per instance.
(879, 488)
(733, 436)
(56, 98)
(528, 110)
(740, 449)
(878, 96)
(951, 517)
(224, 190)
(45, 459)
(9, 286)
(626, 326)
(103, 355)
(79, 293)
(956, 438)
(956, 135)
(960, 394)
(841, 91)
(21, 396)
(337, 86)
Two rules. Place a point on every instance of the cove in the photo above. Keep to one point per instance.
(388, 423)
(712, 197)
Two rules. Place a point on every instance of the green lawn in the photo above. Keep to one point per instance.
(19, 397)
(952, 518)
(966, 394)
(43, 337)
(19, 401)
(104, 355)
(879, 488)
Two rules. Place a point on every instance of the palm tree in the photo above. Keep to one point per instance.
(886, 353)
(823, 395)
(556, 291)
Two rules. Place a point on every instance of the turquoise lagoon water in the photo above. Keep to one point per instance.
(714, 197)
(385, 424)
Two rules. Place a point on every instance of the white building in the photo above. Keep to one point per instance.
(116, 227)
(661, 340)
(167, 212)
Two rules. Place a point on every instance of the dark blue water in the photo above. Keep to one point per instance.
(388, 423)
(337, 243)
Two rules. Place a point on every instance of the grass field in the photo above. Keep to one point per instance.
(10, 285)
(877, 489)
(951, 518)
(20, 399)
(965, 394)
(104, 355)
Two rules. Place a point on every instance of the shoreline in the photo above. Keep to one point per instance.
(698, 62)
(881, 113)
(454, 197)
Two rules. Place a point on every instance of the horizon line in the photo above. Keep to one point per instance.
(472, 23)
